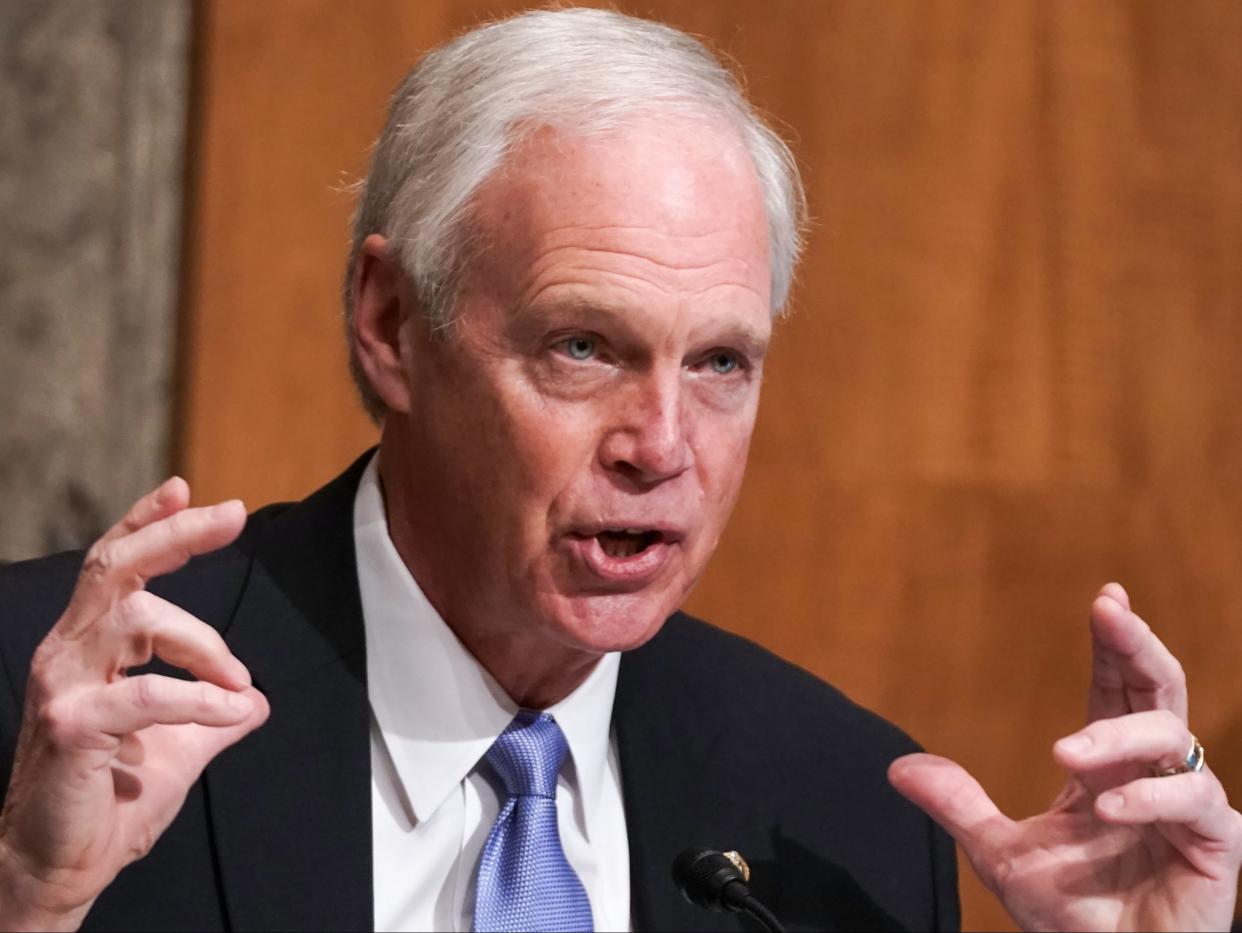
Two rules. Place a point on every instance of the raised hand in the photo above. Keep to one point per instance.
(104, 761)
(1120, 848)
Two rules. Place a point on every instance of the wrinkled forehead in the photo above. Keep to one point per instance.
(682, 190)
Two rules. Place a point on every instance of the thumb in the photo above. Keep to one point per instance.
(209, 741)
(950, 796)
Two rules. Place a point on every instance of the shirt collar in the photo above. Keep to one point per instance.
(438, 710)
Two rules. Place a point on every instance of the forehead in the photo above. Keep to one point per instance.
(672, 198)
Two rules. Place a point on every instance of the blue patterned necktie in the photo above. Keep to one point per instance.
(525, 882)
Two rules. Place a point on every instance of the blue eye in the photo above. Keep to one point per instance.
(579, 348)
(723, 363)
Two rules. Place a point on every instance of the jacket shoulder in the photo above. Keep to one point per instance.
(727, 677)
(780, 763)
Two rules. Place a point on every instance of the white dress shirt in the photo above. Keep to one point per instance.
(435, 712)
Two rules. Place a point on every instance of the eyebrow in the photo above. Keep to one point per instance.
(529, 320)
(586, 312)
(574, 309)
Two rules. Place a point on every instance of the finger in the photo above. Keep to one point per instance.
(1117, 593)
(1196, 801)
(955, 800)
(209, 742)
(1132, 670)
(1156, 738)
(134, 703)
(115, 568)
(148, 625)
(170, 496)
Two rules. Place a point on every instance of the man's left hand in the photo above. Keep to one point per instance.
(1121, 848)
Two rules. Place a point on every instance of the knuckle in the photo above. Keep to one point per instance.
(43, 666)
(100, 562)
(1204, 790)
(58, 721)
(205, 696)
(143, 843)
(173, 533)
(178, 525)
(1110, 732)
(145, 692)
(1169, 721)
(136, 610)
(1150, 793)
(997, 876)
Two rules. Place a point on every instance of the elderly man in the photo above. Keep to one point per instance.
(566, 261)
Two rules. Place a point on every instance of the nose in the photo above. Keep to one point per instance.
(648, 441)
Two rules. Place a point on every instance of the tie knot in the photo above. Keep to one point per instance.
(528, 754)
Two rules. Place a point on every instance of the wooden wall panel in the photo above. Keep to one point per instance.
(1012, 372)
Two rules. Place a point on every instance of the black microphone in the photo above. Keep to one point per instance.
(717, 881)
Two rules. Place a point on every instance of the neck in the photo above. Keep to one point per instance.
(533, 670)
(531, 675)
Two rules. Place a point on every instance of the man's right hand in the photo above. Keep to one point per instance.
(104, 761)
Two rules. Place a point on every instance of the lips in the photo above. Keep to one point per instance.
(627, 543)
(623, 555)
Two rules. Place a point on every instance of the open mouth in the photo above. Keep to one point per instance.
(627, 542)
(626, 556)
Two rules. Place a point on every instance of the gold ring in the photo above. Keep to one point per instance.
(1195, 759)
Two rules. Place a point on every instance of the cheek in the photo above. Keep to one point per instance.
(483, 443)
(720, 458)
(721, 444)
(552, 445)
(722, 475)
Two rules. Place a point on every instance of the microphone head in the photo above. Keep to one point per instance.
(707, 878)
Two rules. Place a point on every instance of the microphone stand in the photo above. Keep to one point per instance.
(718, 882)
(751, 905)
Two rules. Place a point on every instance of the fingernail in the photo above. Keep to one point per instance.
(242, 673)
(223, 508)
(1112, 802)
(165, 489)
(240, 703)
(1076, 744)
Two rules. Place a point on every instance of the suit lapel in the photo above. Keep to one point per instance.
(670, 790)
(291, 805)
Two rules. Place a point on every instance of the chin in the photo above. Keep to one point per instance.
(603, 623)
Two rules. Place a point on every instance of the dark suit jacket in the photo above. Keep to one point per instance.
(721, 744)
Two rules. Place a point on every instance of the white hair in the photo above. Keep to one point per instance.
(467, 103)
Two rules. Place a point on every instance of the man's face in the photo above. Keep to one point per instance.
(576, 443)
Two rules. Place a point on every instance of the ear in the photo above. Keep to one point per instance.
(379, 296)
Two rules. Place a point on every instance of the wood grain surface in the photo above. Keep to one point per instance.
(1012, 373)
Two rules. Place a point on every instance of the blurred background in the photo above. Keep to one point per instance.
(1013, 370)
